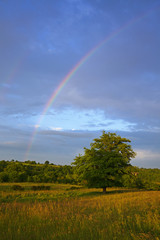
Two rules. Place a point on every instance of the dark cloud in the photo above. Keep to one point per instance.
(41, 41)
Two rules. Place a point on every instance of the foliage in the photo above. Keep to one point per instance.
(17, 187)
(30, 171)
(104, 163)
(40, 187)
(46, 162)
(141, 178)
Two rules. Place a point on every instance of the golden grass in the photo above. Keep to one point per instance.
(126, 215)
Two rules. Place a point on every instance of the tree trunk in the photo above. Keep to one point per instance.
(104, 190)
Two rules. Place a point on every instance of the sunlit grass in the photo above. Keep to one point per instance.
(87, 215)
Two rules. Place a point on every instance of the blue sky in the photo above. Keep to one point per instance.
(116, 89)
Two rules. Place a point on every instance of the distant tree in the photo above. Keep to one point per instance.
(103, 164)
(46, 162)
(30, 162)
(4, 177)
(33, 162)
(3, 165)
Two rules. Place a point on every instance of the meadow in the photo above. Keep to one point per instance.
(69, 212)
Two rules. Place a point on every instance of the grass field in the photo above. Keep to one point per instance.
(67, 213)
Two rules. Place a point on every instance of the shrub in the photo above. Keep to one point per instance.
(17, 188)
(4, 177)
(40, 187)
(72, 188)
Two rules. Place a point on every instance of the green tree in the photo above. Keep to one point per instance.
(4, 177)
(104, 163)
(46, 162)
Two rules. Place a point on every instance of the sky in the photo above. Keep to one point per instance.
(70, 69)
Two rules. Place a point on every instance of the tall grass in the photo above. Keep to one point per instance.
(130, 215)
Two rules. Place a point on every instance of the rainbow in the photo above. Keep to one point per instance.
(64, 81)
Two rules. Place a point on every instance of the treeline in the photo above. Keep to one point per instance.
(143, 178)
(30, 171)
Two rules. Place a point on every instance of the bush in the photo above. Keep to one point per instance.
(17, 188)
(72, 188)
(4, 177)
(152, 186)
(41, 187)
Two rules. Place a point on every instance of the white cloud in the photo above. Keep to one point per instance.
(56, 128)
(147, 154)
(37, 126)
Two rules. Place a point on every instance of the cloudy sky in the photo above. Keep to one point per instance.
(112, 48)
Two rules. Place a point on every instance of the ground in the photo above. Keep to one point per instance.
(72, 212)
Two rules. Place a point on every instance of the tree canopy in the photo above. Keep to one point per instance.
(103, 164)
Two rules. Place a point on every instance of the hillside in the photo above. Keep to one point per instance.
(30, 171)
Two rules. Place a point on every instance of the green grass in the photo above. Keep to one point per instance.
(67, 213)
(56, 192)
